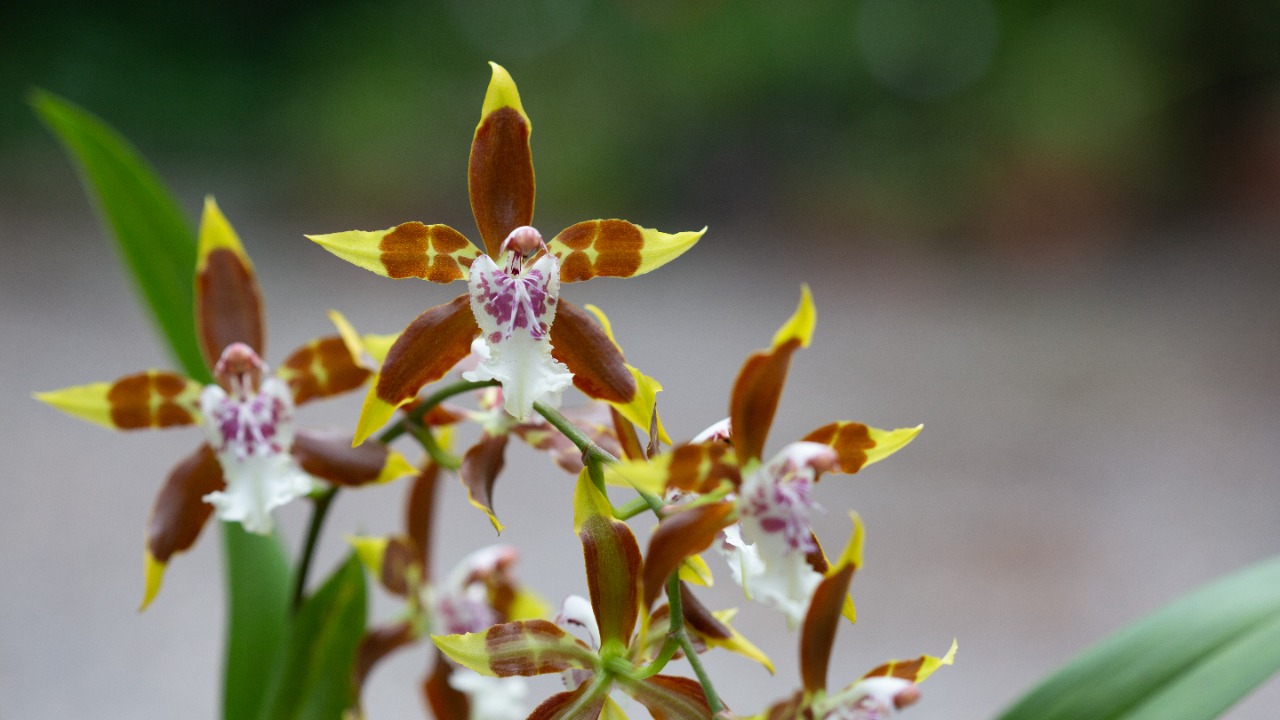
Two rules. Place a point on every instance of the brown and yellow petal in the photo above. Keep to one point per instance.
(830, 601)
(523, 647)
(915, 670)
(668, 697)
(859, 445)
(436, 253)
(228, 300)
(759, 384)
(428, 349)
(330, 456)
(179, 514)
(445, 701)
(613, 562)
(377, 643)
(149, 399)
(714, 629)
(322, 368)
(615, 248)
(584, 703)
(500, 172)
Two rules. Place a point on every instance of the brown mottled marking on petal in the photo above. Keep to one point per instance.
(500, 176)
(329, 456)
(403, 251)
(619, 244)
(668, 697)
(614, 568)
(180, 511)
(557, 706)
(444, 270)
(579, 236)
(228, 305)
(509, 655)
(849, 439)
(701, 467)
(342, 374)
(598, 368)
(817, 559)
(427, 349)
(131, 400)
(905, 669)
(575, 266)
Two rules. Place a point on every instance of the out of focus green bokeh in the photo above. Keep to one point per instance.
(1019, 127)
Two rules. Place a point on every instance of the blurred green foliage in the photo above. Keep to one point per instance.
(924, 117)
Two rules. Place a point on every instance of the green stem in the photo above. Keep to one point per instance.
(319, 509)
(631, 509)
(400, 427)
(427, 440)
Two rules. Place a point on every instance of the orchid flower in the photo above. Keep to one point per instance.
(535, 343)
(614, 653)
(253, 459)
(480, 591)
(758, 510)
(879, 693)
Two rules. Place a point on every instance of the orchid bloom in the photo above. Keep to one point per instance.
(254, 459)
(613, 654)
(879, 693)
(536, 343)
(758, 510)
(481, 590)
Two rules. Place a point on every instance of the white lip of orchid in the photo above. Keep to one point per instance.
(720, 431)
(250, 428)
(491, 698)
(578, 617)
(514, 307)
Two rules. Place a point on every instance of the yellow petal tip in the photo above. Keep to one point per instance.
(216, 233)
(801, 323)
(373, 415)
(153, 573)
(501, 93)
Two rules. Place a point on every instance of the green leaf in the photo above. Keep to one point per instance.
(317, 679)
(258, 597)
(152, 234)
(1189, 661)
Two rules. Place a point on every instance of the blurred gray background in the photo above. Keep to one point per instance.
(1048, 231)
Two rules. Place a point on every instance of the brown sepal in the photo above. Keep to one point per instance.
(702, 467)
(228, 305)
(180, 512)
(399, 561)
(598, 368)
(755, 398)
(849, 439)
(329, 456)
(500, 176)
(556, 706)
(617, 243)
(682, 533)
(378, 643)
(419, 512)
(819, 630)
(427, 349)
(668, 697)
(628, 439)
(445, 702)
(699, 619)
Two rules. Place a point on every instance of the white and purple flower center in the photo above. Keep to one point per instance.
(247, 414)
(779, 496)
(515, 302)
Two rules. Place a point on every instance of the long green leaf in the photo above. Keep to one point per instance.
(159, 249)
(317, 680)
(257, 575)
(1189, 661)
(151, 233)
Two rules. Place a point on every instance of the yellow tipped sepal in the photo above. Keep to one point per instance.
(801, 324)
(501, 93)
(373, 415)
(216, 233)
(153, 572)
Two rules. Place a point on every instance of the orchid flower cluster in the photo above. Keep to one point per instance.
(518, 346)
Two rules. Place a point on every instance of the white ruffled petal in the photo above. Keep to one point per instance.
(514, 313)
(491, 698)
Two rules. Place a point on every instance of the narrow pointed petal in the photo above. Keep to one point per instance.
(436, 253)
(370, 551)
(322, 368)
(367, 351)
(480, 469)
(598, 368)
(615, 248)
(628, 440)
(915, 670)
(228, 300)
(612, 710)
(613, 562)
(695, 570)
(329, 456)
(426, 350)
(179, 513)
(524, 647)
(585, 703)
(150, 399)
(378, 643)
(715, 630)
(859, 445)
(420, 510)
(759, 383)
(500, 172)
(699, 468)
(642, 408)
(668, 697)
(445, 701)
(830, 600)
(681, 534)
